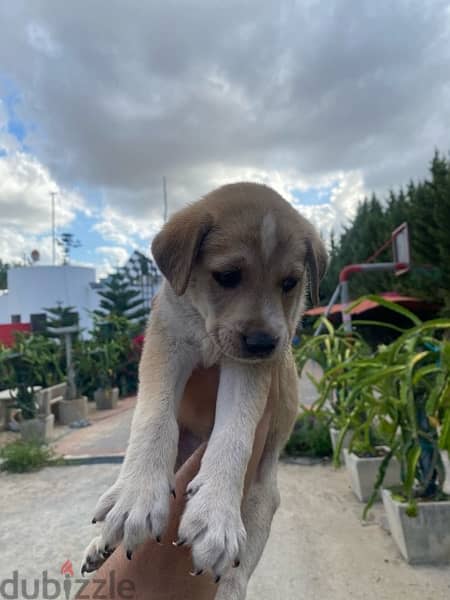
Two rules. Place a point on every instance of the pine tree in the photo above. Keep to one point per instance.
(118, 298)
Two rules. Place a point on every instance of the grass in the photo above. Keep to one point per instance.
(23, 457)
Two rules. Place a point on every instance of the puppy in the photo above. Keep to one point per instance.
(237, 265)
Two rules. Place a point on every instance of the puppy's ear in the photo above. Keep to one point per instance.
(316, 261)
(177, 245)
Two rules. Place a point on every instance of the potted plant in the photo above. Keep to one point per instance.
(34, 425)
(413, 408)
(106, 395)
(335, 352)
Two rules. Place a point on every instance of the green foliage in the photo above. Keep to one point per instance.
(425, 206)
(335, 352)
(34, 360)
(402, 392)
(109, 358)
(120, 299)
(22, 457)
(61, 316)
(311, 436)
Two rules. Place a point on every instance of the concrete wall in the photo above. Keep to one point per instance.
(31, 289)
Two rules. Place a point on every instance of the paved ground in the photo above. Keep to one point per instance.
(318, 549)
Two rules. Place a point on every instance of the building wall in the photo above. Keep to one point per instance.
(31, 289)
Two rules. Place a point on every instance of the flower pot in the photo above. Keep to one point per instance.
(39, 429)
(106, 398)
(72, 410)
(363, 473)
(424, 538)
(334, 435)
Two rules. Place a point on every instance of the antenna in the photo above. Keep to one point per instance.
(53, 195)
(165, 198)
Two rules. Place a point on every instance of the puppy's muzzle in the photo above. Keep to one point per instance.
(258, 344)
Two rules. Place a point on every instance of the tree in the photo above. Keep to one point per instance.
(61, 316)
(119, 298)
(425, 206)
(3, 275)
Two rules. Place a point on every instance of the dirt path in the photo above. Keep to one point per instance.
(318, 550)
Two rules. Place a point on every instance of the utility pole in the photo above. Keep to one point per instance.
(53, 195)
(165, 198)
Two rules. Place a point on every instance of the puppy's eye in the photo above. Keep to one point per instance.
(288, 284)
(228, 279)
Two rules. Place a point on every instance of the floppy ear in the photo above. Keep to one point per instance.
(177, 245)
(316, 261)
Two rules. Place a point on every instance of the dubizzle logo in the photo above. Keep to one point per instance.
(67, 568)
(47, 588)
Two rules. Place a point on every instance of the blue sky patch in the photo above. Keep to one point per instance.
(313, 196)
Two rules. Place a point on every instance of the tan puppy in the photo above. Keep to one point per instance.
(237, 265)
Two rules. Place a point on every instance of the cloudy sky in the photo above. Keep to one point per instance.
(325, 101)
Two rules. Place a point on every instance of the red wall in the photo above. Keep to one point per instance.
(7, 332)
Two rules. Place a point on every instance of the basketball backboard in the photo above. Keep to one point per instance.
(401, 249)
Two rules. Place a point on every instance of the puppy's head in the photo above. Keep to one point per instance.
(244, 257)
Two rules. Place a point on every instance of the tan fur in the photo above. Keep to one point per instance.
(197, 324)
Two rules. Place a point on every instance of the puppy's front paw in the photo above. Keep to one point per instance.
(135, 508)
(212, 525)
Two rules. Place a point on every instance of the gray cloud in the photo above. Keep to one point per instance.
(122, 93)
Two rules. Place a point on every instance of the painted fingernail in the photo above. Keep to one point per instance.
(218, 578)
(196, 573)
(236, 563)
(129, 554)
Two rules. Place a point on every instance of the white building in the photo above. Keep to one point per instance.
(34, 288)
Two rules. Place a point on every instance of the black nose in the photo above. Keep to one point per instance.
(259, 343)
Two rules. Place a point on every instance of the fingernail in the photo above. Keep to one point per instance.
(129, 554)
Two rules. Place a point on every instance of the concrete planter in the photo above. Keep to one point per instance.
(334, 435)
(106, 399)
(364, 472)
(423, 539)
(37, 430)
(72, 410)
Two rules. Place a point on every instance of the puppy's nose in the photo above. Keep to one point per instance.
(259, 343)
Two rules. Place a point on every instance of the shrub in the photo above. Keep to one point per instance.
(311, 436)
(22, 457)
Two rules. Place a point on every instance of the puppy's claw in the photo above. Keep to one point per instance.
(218, 578)
(158, 540)
(178, 542)
(236, 563)
(196, 573)
(174, 494)
(94, 521)
(129, 554)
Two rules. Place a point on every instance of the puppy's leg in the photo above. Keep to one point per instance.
(137, 505)
(212, 522)
(258, 509)
(263, 498)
